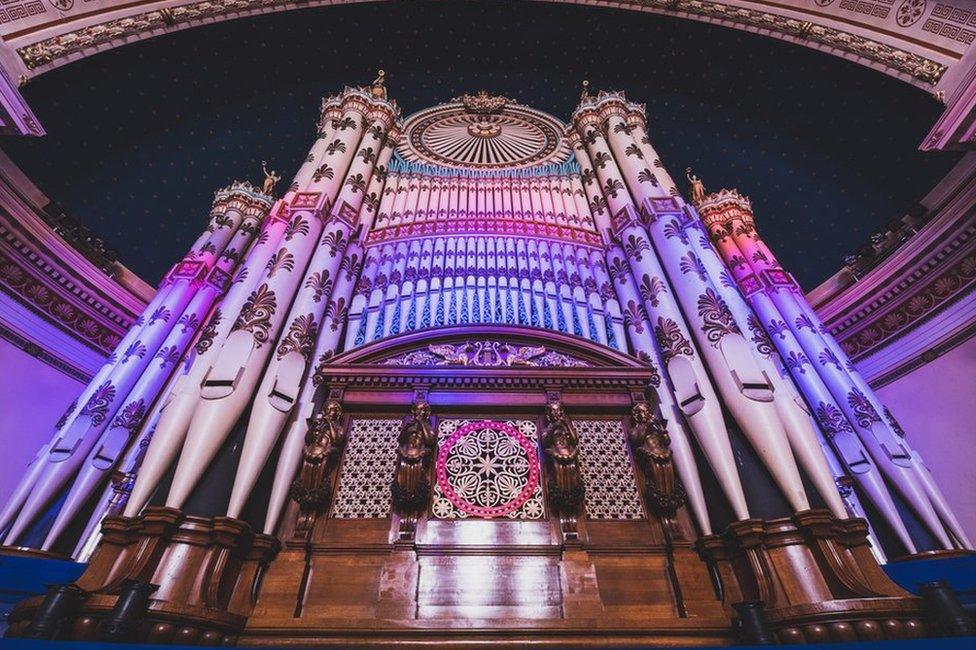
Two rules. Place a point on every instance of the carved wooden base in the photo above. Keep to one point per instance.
(22, 551)
(206, 570)
(463, 584)
(817, 577)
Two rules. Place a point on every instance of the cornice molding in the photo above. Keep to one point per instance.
(874, 34)
(931, 273)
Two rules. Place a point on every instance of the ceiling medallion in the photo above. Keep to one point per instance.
(483, 132)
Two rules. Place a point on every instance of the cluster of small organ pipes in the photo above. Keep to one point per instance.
(365, 245)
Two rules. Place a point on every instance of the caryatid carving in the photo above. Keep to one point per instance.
(652, 449)
(561, 445)
(416, 447)
(323, 441)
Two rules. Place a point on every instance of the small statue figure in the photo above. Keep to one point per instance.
(559, 439)
(312, 490)
(697, 187)
(270, 179)
(378, 88)
(585, 94)
(416, 447)
(652, 448)
(561, 445)
(325, 434)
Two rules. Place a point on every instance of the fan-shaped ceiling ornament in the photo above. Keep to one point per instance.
(484, 132)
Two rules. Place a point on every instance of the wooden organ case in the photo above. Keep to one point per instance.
(491, 543)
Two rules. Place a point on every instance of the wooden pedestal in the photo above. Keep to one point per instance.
(206, 569)
(816, 576)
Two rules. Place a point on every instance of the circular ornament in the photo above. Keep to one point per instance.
(493, 134)
(909, 12)
(488, 469)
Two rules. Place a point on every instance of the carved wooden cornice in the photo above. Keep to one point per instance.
(572, 363)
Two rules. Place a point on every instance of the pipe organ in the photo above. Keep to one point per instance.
(481, 340)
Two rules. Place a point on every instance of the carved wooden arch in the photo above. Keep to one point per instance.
(369, 368)
(41, 42)
(583, 349)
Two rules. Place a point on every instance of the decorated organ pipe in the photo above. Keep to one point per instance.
(682, 362)
(117, 436)
(745, 389)
(231, 381)
(841, 403)
(134, 367)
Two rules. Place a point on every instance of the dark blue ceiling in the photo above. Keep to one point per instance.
(141, 136)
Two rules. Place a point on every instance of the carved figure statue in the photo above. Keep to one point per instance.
(652, 449)
(416, 447)
(325, 434)
(585, 93)
(697, 187)
(270, 179)
(378, 88)
(311, 490)
(561, 445)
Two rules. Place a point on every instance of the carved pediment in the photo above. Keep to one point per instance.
(488, 347)
(486, 353)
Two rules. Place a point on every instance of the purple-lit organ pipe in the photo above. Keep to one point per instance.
(833, 417)
(745, 389)
(290, 455)
(279, 390)
(803, 435)
(66, 457)
(38, 465)
(693, 390)
(182, 400)
(639, 335)
(891, 457)
(230, 384)
(112, 443)
(922, 473)
(116, 494)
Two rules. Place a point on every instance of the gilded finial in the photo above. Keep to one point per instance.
(697, 187)
(378, 87)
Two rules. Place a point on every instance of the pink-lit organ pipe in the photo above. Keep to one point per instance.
(780, 425)
(787, 314)
(280, 388)
(112, 443)
(231, 382)
(68, 454)
(830, 415)
(620, 292)
(183, 398)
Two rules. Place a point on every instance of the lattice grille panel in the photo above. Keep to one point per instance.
(611, 489)
(367, 470)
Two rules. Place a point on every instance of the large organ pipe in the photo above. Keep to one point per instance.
(746, 390)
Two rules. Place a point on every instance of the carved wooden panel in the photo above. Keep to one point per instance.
(367, 469)
(489, 587)
(487, 469)
(608, 474)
